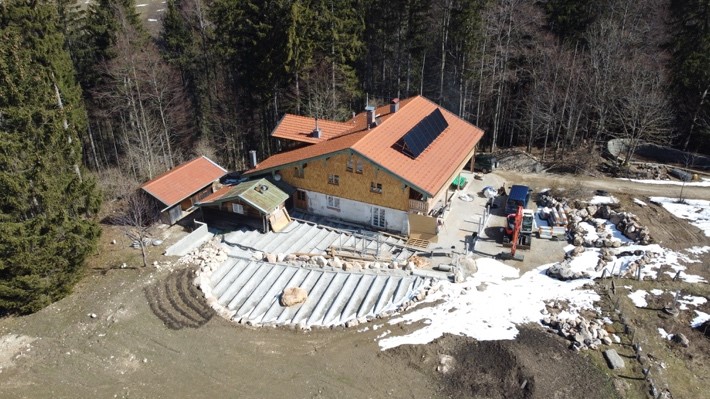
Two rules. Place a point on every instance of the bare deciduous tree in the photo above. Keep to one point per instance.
(137, 216)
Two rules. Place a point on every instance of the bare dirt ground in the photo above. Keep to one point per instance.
(138, 332)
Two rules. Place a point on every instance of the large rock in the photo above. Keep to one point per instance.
(293, 296)
(336, 262)
(468, 265)
(320, 261)
(680, 339)
(352, 267)
(613, 359)
(562, 271)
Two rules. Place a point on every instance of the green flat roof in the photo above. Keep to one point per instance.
(261, 194)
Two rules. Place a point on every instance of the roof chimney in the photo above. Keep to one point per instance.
(316, 132)
(252, 158)
(394, 105)
(370, 116)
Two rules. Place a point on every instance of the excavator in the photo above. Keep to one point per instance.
(518, 230)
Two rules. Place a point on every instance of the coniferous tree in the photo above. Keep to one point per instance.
(691, 71)
(46, 201)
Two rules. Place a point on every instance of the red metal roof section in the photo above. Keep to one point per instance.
(224, 190)
(300, 128)
(430, 171)
(183, 180)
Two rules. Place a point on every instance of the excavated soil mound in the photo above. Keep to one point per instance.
(535, 365)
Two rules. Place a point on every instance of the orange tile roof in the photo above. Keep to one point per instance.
(429, 172)
(183, 180)
(299, 128)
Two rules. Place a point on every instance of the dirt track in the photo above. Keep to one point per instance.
(151, 337)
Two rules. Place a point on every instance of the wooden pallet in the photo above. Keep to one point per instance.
(417, 242)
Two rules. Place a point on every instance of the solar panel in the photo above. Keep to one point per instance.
(424, 133)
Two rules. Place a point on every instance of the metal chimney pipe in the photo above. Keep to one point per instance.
(252, 158)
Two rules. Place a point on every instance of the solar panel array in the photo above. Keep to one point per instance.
(424, 133)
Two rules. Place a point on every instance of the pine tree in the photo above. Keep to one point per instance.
(46, 201)
(690, 66)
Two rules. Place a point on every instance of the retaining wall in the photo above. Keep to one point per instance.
(191, 241)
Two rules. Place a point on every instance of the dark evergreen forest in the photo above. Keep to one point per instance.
(553, 75)
(557, 76)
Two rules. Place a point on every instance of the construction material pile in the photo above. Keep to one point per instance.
(598, 216)
(583, 334)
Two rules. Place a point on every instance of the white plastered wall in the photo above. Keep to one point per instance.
(357, 212)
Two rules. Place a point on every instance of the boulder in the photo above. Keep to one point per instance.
(293, 296)
(468, 264)
(680, 339)
(562, 271)
(578, 240)
(271, 258)
(613, 359)
(446, 364)
(592, 210)
(336, 263)
(578, 249)
(320, 261)
(352, 267)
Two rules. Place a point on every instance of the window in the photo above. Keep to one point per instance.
(238, 208)
(376, 187)
(333, 202)
(378, 218)
(358, 167)
(334, 179)
(301, 195)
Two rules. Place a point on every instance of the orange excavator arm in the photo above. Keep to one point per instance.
(516, 230)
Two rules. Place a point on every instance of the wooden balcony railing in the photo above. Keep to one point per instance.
(418, 206)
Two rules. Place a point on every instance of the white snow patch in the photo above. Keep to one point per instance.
(152, 20)
(696, 211)
(657, 292)
(609, 230)
(603, 199)
(664, 334)
(639, 202)
(701, 183)
(639, 298)
(698, 250)
(384, 334)
(492, 314)
(701, 318)
(690, 300)
(141, 5)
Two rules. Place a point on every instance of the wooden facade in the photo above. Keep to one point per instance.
(359, 179)
(359, 182)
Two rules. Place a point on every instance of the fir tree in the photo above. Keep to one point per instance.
(46, 201)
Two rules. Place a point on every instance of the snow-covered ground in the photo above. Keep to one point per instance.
(701, 183)
(695, 211)
(603, 199)
(490, 304)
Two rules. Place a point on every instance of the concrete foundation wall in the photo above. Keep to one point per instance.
(357, 212)
(191, 241)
